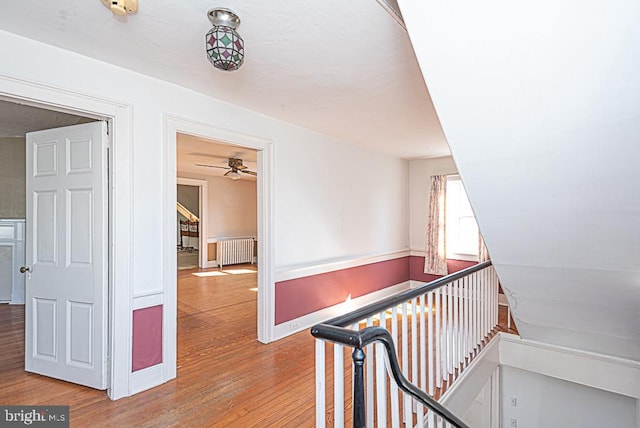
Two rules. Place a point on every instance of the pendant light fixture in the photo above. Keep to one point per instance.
(225, 47)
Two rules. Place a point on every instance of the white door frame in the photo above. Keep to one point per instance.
(203, 209)
(118, 114)
(266, 287)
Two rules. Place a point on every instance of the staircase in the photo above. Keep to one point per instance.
(418, 342)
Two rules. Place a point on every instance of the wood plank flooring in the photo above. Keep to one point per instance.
(225, 377)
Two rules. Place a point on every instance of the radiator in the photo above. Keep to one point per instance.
(233, 251)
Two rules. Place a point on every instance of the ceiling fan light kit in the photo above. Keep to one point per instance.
(225, 47)
(235, 168)
(234, 175)
(121, 7)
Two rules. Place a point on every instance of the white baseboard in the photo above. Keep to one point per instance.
(144, 379)
(307, 321)
(210, 264)
(464, 390)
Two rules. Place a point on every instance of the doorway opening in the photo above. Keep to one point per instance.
(241, 153)
(190, 204)
(32, 242)
(216, 206)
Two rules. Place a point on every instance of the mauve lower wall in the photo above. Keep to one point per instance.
(302, 296)
(147, 337)
(297, 297)
(416, 264)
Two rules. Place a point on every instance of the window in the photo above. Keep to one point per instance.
(462, 229)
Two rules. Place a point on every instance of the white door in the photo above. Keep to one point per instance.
(66, 287)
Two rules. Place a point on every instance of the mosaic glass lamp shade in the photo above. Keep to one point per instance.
(225, 47)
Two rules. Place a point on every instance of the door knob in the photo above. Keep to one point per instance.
(25, 269)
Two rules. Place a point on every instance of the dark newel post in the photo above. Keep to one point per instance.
(359, 418)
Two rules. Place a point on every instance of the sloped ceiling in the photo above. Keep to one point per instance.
(345, 69)
(540, 103)
(18, 119)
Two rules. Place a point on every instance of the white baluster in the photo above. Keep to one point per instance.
(495, 290)
(423, 353)
(414, 342)
(338, 384)
(320, 384)
(456, 327)
(436, 295)
(467, 327)
(395, 405)
(406, 405)
(450, 352)
(485, 303)
(478, 287)
(430, 336)
(381, 379)
(443, 335)
(474, 315)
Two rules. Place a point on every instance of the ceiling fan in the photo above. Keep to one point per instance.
(235, 168)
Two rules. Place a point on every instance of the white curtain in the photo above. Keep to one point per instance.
(483, 253)
(435, 261)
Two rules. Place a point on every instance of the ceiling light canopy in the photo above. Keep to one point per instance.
(121, 7)
(225, 47)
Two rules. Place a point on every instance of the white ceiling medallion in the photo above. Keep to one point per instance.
(121, 7)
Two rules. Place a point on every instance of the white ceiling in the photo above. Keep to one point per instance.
(345, 69)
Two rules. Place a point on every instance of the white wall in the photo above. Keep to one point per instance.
(232, 210)
(480, 413)
(420, 171)
(332, 200)
(543, 401)
(12, 178)
(335, 200)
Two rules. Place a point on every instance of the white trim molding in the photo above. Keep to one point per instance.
(335, 265)
(459, 397)
(266, 290)
(587, 368)
(598, 371)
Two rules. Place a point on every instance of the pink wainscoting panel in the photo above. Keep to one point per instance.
(417, 268)
(302, 296)
(147, 337)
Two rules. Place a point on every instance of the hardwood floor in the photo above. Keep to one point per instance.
(225, 377)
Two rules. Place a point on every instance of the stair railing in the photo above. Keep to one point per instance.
(422, 338)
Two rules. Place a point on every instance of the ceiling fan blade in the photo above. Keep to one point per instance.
(212, 166)
(227, 173)
(207, 155)
(246, 171)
